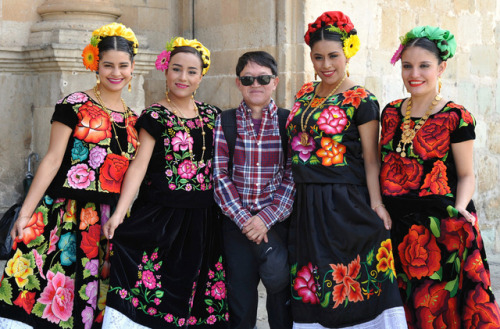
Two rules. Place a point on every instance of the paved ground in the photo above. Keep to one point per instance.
(493, 260)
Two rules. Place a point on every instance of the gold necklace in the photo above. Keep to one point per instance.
(304, 136)
(408, 134)
(114, 123)
(178, 111)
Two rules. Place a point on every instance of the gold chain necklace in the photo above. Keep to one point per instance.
(304, 136)
(178, 111)
(408, 134)
(113, 122)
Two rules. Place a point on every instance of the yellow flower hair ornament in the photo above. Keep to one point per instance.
(91, 51)
(163, 58)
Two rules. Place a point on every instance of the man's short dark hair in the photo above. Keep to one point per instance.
(261, 58)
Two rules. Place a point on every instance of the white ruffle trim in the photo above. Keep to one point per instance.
(116, 320)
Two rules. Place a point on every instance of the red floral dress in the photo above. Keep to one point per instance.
(58, 274)
(443, 275)
(342, 266)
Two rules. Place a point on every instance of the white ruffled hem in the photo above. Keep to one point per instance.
(393, 318)
(114, 319)
(13, 324)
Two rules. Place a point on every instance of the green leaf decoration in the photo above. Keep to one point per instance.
(209, 302)
(66, 324)
(38, 309)
(68, 226)
(57, 268)
(42, 249)
(82, 293)
(435, 226)
(159, 293)
(106, 141)
(369, 257)
(177, 156)
(293, 269)
(184, 181)
(314, 160)
(135, 291)
(86, 273)
(31, 258)
(403, 277)
(33, 283)
(6, 291)
(438, 275)
(90, 205)
(338, 138)
(451, 259)
(452, 212)
(36, 242)
(295, 159)
(457, 264)
(350, 112)
(326, 301)
(452, 287)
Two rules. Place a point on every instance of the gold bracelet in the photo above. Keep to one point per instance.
(378, 205)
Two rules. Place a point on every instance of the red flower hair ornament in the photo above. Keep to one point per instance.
(336, 21)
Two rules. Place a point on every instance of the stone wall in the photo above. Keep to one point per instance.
(38, 65)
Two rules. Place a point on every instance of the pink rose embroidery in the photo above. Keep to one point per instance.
(58, 297)
(77, 98)
(148, 279)
(219, 290)
(80, 176)
(332, 120)
(53, 240)
(186, 169)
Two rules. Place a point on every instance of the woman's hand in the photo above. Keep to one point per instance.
(19, 225)
(109, 228)
(468, 216)
(384, 215)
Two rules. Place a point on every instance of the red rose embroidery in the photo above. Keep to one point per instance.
(399, 175)
(479, 311)
(112, 171)
(90, 241)
(390, 122)
(467, 117)
(305, 285)
(456, 235)
(354, 97)
(132, 136)
(434, 306)
(26, 300)
(419, 254)
(474, 267)
(306, 88)
(436, 182)
(433, 138)
(94, 124)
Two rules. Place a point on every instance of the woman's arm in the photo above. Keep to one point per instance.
(131, 182)
(59, 137)
(464, 161)
(369, 143)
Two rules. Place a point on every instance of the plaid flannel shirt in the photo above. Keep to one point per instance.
(261, 183)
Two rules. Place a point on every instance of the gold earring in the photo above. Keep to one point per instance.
(439, 85)
(98, 82)
(166, 94)
(347, 69)
(130, 84)
(193, 94)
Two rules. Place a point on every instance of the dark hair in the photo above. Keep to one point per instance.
(190, 50)
(258, 57)
(426, 44)
(324, 34)
(116, 43)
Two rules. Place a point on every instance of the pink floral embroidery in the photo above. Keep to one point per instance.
(294, 110)
(148, 279)
(58, 297)
(77, 98)
(117, 117)
(186, 169)
(80, 176)
(332, 120)
(182, 141)
(219, 290)
(305, 284)
(97, 156)
(304, 151)
(91, 292)
(88, 317)
(192, 320)
(211, 319)
(39, 262)
(169, 318)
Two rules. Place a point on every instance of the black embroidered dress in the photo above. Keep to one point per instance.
(443, 275)
(167, 257)
(341, 254)
(57, 276)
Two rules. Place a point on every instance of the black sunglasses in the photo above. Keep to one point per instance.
(261, 79)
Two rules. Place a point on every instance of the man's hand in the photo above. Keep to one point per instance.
(255, 230)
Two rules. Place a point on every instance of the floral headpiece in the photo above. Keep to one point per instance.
(164, 57)
(336, 21)
(444, 40)
(91, 52)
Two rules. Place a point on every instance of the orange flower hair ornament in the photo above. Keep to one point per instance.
(90, 53)
(163, 58)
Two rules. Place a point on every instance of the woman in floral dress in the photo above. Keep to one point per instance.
(166, 264)
(57, 276)
(427, 181)
(341, 255)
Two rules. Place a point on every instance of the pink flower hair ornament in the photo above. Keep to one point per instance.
(163, 58)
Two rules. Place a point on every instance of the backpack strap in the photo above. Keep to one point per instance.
(229, 127)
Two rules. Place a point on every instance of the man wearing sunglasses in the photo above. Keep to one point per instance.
(254, 189)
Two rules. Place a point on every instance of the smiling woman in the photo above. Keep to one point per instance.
(167, 267)
(57, 274)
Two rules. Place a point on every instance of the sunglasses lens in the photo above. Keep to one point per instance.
(246, 80)
(264, 79)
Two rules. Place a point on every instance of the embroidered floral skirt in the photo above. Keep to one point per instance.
(168, 268)
(342, 269)
(57, 276)
(443, 275)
